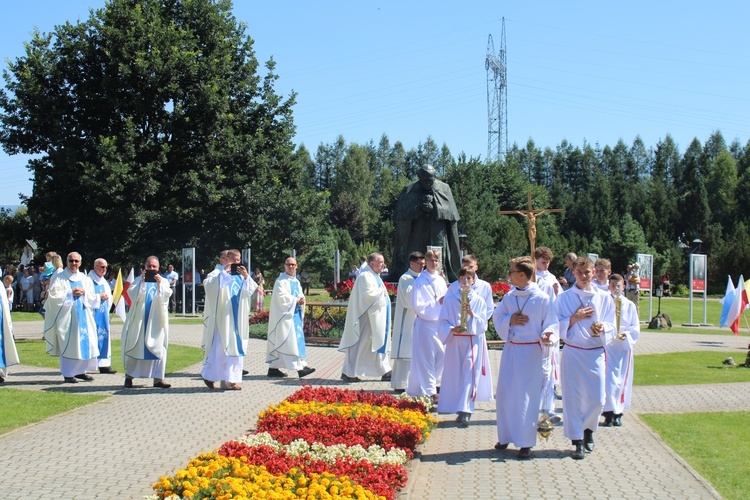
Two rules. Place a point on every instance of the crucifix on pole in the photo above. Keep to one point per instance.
(531, 216)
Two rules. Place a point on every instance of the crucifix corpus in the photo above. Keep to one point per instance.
(531, 216)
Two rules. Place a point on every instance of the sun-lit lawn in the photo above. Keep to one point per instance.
(20, 407)
(685, 368)
(714, 444)
(32, 353)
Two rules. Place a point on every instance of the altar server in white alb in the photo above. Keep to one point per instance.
(428, 351)
(548, 284)
(101, 315)
(285, 347)
(69, 326)
(368, 323)
(466, 379)
(403, 324)
(226, 321)
(619, 381)
(587, 316)
(525, 319)
(8, 352)
(484, 291)
(145, 334)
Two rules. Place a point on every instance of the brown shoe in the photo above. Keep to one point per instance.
(162, 384)
(208, 383)
(305, 371)
(107, 369)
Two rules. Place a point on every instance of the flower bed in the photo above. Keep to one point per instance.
(318, 443)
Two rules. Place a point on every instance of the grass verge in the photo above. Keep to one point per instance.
(32, 353)
(685, 368)
(714, 444)
(19, 407)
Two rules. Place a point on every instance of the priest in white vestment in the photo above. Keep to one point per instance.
(145, 334)
(525, 319)
(368, 323)
(586, 315)
(101, 315)
(8, 352)
(69, 326)
(619, 381)
(403, 324)
(547, 283)
(466, 379)
(428, 351)
(285, 347)
(226, 321)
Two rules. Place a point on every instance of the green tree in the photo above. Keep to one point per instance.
(155, 131)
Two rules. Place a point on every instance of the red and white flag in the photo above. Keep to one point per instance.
(124, 297)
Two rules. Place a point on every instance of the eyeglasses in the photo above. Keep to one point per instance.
(73, 260)
(291, 265)
(103, 267)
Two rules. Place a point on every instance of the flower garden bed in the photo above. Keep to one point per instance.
(318, 443)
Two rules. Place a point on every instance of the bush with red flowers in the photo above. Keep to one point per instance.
(340, 291)
(499, 290)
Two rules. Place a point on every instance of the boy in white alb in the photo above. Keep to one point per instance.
(526, 320)
(586, 315)
(619, 381)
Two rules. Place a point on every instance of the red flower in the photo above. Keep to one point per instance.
(392, 289)
(337, 429)
(347, 396)
(499, 289)
(259, 317)
(385, 479)
(341, 291)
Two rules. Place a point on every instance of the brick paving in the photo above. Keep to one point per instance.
(118, 447)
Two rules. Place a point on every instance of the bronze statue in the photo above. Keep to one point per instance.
(426, 215)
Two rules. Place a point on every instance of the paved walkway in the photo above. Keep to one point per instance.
(120, 446)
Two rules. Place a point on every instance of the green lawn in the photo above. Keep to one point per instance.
(19, 407)
(685, 368)
(714, 444)
(32, 353)
(678, 309)
(22, 407)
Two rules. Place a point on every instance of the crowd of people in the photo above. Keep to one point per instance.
(433, 345)
(437, 347)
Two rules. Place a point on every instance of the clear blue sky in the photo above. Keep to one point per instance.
(593, 71)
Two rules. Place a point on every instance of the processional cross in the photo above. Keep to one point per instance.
(531, 216)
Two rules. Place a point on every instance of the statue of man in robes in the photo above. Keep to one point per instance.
(426, 215)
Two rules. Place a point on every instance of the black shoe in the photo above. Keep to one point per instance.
(275, 372)
(107, 370)
(399, 391)
(128, 382)
(70, 380)
(386, 377)
(245, 372)
(2, 379)
(617, 421)
(208, 383)
(524, 453)
(305, 371)
(501, 447)
(578, 453)
(162, 384)
(83, 376)
(608, 418)
(588, 440)
(347, 378)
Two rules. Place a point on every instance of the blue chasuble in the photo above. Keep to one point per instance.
(299, 331)
(80, 311)
(235, 292)
(150, 292)
(387, 319)
(101, 317)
